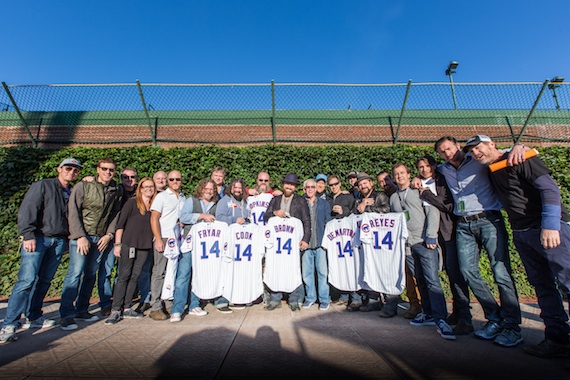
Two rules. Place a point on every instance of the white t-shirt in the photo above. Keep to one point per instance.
(169, 206)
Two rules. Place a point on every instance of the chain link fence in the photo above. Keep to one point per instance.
(188, 114)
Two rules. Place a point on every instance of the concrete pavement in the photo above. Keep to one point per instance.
(254, 343)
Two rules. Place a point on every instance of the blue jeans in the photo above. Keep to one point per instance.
(490, 232)
(296, 296)
(542, 267)
(426, 266)
(104, 286)
(80, 279)
(457, 284)
(310, 260)
(34, 278)
(182, 295)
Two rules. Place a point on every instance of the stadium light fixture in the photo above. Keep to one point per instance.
(451, 69)
(553, 85)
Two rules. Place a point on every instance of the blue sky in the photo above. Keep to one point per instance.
(310, 41)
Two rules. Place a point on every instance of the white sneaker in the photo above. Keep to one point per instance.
(39, 323)
(175, 317)
(198, 311)
(8, 334)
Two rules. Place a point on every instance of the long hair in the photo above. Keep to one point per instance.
(200, 189)
(139, 197)
(228, 189)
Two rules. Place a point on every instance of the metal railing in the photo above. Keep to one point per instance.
(178, 114)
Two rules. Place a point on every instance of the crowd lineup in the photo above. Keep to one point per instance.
(235, 246)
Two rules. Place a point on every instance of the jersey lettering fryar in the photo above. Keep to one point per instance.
(209, 245)
(256, 207)
(383, 238)
(283, 256)
(246, 245)
(340, 242)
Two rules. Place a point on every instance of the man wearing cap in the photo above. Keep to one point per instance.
(321, 181)
(287, 205)
(352, 181)
(43, 227)
(480, 222)
(541, 233)
(93, 212)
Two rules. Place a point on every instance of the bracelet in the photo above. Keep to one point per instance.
(118, 244)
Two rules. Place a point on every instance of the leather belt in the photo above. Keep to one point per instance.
(481, 215)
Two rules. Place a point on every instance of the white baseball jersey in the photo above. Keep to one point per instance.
(171, 252)
(343, 256)
(383, 238)
(256, 207)
(209, 245)
(244, 283)
(283, 256)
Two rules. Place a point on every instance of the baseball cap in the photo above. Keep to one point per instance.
(352, 174)
(362, 176)
(474, 141)
(291, 178)
(70, 162)
(321, 177)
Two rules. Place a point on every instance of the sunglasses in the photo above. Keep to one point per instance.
(175, 179)
(334, 184)
(310, 187)
(111, 170)
(124, 176)
(262, 180)
(71, 169)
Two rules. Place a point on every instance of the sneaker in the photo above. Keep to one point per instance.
(87, 317)
(462, 328)
(39, 323)
(198, 311)
(489, 332)
(272, 306)
(324, 306)
(444, 330)
(224, 310)
(509, 338)
(237, 307)
(158, 315)
(132, 314)
(68, 324)
(175, 317)
(548, 349)
(113, 318)
(422, 319)
(8, 334)
(307, 304)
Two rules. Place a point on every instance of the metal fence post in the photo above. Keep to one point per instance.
(152, 135)
(532, 110)
(34, 141)
(402, 110)
(273, 126)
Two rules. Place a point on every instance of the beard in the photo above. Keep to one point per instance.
(238, 197)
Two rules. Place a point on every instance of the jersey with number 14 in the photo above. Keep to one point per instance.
(383, 242)
(244, 283)
(256, 207)
(209, 245)
(283, 256)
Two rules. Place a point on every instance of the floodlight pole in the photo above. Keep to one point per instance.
(553, 85)
(449, 72)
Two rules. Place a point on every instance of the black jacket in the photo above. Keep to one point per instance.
(43, 211)
(298, 209)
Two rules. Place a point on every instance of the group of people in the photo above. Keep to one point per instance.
(442, 219)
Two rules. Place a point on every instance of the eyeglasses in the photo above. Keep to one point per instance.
(71, 168)
(334, 184)
(124, 176)
(111, 170)
(175, 179)
(262, 180)
(310, 187)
